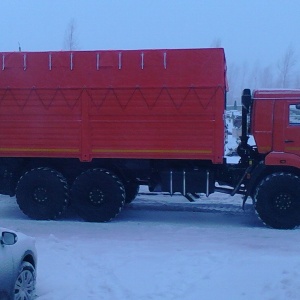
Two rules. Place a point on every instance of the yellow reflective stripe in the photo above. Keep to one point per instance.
(265, 148)
(293, 148)
(38, 150)
(151, 151)
(107, 150)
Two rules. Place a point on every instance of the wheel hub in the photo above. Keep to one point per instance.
(96, 196)
(24, 286)
(40, 195)
(283, 202)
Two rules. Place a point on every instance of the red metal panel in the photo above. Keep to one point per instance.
(270, 126)
(262, 125)
(276, 94)
(118, 69)
(125, 104)
(282, 159)
(163, 128)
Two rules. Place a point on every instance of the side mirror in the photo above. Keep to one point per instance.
(8, 238)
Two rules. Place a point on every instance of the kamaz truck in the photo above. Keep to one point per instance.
(87, 128)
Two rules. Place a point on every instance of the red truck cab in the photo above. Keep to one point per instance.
(272, 166)
(276, 126)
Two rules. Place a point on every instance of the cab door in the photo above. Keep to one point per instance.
(291, 137)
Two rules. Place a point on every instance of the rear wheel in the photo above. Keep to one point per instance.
(131, 189)
(42, 194)
(98, 195)
(277, 200)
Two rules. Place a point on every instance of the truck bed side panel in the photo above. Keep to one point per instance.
(122, 104)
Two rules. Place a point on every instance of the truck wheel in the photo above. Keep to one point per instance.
(277, 200)
(131, 189)
(98, 195)
(42, 194)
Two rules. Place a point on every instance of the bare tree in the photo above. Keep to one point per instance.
(216, 43)
(244, 72)
(266, 80)
(285, 66)
(233, 73)
(297, 81)
(254, 75)
(70, 41)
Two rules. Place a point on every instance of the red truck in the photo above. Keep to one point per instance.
(86, 128)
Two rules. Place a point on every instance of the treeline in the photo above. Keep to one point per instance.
(282, 74)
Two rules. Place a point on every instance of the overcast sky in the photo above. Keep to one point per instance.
(256, 29)
(251, 31)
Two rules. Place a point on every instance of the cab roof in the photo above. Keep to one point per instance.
(276, 94)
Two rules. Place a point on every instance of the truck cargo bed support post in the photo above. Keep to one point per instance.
(183, 184)
(142, 61)
(3, 62)
(165, 60)
(207, 183)
(171, 182)
(71, 61)
(120, 60)
(98, 61)
(50, 62)
(24, 62)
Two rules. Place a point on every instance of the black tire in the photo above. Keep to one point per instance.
(131, 190)
(98, 195)
(277, 200)
(42, 194)
(25, 282)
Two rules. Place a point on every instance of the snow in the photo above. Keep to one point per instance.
(163, 247)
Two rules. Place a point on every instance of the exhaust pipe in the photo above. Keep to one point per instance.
(243, 148)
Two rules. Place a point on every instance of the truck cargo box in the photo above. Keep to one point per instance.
(150, 104)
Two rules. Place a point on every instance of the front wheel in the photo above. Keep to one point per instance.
(277, 200)
(25, 283)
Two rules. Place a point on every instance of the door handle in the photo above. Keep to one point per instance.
(289, 141)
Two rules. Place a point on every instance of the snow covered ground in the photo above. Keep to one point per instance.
(163, 247)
